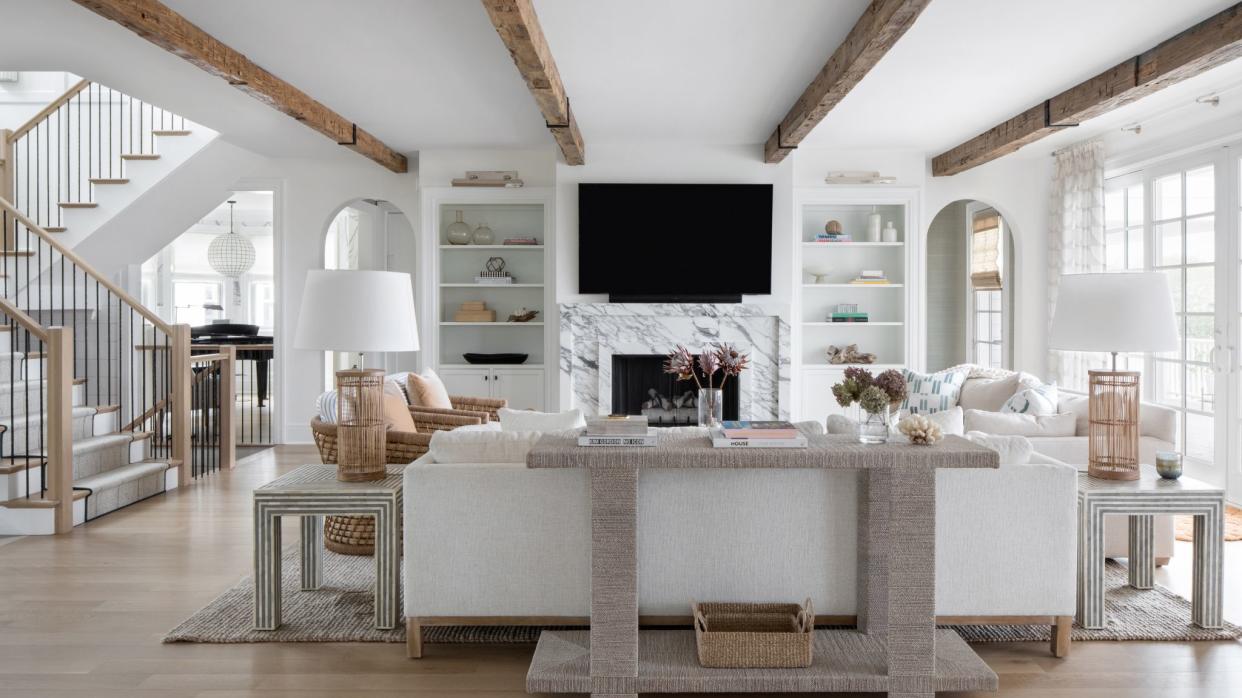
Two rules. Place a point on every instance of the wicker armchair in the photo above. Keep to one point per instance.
(479, 404)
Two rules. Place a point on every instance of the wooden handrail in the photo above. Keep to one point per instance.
(45, 111)
(87, 269)
(27, 322)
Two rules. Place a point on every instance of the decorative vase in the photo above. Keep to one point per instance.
(458, 233)
(890, 232)
(873, 227)
(873, 427)
(711, 407)
(1169, 464)
(483, 236)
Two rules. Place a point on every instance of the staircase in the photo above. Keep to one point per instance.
(101, 403)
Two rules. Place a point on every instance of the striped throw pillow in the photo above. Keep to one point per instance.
(933, 392)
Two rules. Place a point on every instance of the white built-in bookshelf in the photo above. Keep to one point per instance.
(827, 270)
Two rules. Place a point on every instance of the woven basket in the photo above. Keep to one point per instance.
(349, 535)
(754, 635)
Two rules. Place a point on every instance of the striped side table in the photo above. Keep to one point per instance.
(1140, 499)
(310, 492)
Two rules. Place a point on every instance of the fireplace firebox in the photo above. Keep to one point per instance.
(640, 386)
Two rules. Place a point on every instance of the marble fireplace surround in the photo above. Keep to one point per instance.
(591, 333)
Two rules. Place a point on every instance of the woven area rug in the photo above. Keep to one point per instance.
(1184, 526)
(341, 611)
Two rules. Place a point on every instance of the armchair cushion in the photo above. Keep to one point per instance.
(427, 390)
(397, 414)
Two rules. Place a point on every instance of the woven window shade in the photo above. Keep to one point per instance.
(985, 251)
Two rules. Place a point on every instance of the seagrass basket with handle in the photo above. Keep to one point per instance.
(754, 635)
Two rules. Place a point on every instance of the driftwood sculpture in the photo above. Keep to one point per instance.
(848, 355)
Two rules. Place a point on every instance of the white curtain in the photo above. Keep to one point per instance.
(1075, 241)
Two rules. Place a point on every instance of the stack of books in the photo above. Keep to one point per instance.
(849, 317)
(868, 277)
(499, 278)
(618, 430)
(749, 434)
(832, 237)
(521, 241)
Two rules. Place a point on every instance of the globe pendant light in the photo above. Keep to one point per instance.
(231, 254)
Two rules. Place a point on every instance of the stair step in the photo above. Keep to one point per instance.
(30, 503)
(121, 475)
(78, 204)
(140, 156)
(55, 229)
(16, 253)
(108, 180)
(171, 132)
(17, 464)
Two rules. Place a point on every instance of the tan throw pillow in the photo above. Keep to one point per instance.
(397, 414)
(427, 390)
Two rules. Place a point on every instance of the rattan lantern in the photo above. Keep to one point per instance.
(358, 311)
(1117, 312)
(360, 433)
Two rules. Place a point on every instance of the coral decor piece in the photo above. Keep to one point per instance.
(921, 430)
(848, 355)
(523, 315)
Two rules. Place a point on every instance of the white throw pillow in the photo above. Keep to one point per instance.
(1013, 450)
(529, 420)
(1039, 400)
(933, 392)
(468, 446)
(989, 395)
(1014, 424)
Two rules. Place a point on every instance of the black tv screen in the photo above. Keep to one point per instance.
(655, 242)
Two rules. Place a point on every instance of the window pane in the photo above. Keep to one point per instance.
(1201, 191)
(1199, 441)
(1180, 321)
(982, 327)
(1136, 260)
(1114, 208)
(996, 327)
(1175, 286)
(1169, 244)
(1134, 205)
(1200, 388)
(1167, 201)
(996, 356)
(1200, 240)
(1115, 250)
(1199, 338)
(982, 354)
(1168, 383)
(1200, 289)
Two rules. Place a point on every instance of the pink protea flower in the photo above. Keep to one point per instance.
(731, 360)
(680, 362)
(709, 363)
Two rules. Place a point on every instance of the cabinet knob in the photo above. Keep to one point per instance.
(484, 377)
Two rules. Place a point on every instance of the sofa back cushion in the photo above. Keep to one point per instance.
(471, 446)
(987, 394)
(530, 420)
(1014, 424)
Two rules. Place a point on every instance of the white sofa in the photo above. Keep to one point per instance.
(499, 543)
(1157, 432)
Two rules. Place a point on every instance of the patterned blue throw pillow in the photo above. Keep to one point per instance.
(933, 392)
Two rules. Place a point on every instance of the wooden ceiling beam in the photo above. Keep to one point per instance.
(879, 28)
(518, 26)
(1206, 45)
(172, 32)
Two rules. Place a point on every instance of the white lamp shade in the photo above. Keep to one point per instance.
(1119, 312)
(349, 310)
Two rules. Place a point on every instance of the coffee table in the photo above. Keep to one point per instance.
(1140, 499)
(310, 492)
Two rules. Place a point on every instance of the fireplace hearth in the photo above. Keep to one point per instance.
(640, 386)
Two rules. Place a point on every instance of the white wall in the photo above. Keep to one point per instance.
(946, 288)
(21, 100)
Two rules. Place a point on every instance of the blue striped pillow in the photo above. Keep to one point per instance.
(933, 392)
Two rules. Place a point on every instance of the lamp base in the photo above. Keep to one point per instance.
(1113, 426)
(361, 433)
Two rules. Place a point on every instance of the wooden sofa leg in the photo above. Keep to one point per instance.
(1162, 562)
(1061, 636)
(413, 639)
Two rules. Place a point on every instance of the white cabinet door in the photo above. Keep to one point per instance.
(468, 382)
(817, 399)
(523, 389)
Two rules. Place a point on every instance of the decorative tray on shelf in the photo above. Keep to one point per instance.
(495, 358)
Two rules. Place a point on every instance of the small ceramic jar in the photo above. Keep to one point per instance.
(1169, 464)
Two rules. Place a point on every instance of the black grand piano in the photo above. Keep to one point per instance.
(251, 346)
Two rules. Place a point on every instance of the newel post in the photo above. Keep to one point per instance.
(228, 403)
(182, 377)
(6, 166)
(60, 424)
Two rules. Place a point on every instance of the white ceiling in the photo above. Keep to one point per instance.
(426, 74)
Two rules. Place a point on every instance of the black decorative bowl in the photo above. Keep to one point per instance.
(495, 358)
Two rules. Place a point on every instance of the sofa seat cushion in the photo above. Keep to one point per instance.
(1013, 450)
(469, 446)
(1013, 424)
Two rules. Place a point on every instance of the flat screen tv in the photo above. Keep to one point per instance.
(675, 242)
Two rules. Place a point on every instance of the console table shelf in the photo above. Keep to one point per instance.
(845, 661)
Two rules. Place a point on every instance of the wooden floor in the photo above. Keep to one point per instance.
(82, 615)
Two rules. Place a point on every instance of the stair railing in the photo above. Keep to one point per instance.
(125, 354)
(43, 447)
(80, 139)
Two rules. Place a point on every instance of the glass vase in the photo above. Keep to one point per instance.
(711, 407)
(873, 427)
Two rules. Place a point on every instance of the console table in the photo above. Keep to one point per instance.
(896, 647)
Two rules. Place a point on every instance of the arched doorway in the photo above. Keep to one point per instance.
(970, 282)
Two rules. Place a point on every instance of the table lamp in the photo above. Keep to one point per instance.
(358, 311)
(1116, 312)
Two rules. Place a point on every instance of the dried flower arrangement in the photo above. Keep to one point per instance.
(717, 357)
(873, 393)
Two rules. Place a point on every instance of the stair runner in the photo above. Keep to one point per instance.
(111, 469)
